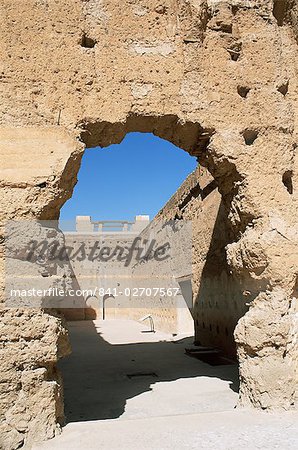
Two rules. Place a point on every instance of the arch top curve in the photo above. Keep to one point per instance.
(187, 135)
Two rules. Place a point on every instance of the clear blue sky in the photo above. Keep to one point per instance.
(135, 177)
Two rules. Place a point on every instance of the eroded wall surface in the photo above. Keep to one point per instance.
(219, 299)
(218, 79)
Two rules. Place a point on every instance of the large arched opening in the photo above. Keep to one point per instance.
(240, 255)
(217, 81)
(216, 301)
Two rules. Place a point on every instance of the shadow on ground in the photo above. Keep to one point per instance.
(99, 377)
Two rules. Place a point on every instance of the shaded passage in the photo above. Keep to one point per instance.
(118, 370)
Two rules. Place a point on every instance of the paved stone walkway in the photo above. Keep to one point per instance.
(129, 389)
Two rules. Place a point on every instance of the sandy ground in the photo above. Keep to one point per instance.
(129, 389)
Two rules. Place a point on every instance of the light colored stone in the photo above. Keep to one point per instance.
(200, 58)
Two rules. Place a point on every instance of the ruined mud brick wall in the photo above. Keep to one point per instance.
(218, 79)
(219, 300)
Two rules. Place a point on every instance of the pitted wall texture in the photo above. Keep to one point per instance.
(219, 79)
(219, 299)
